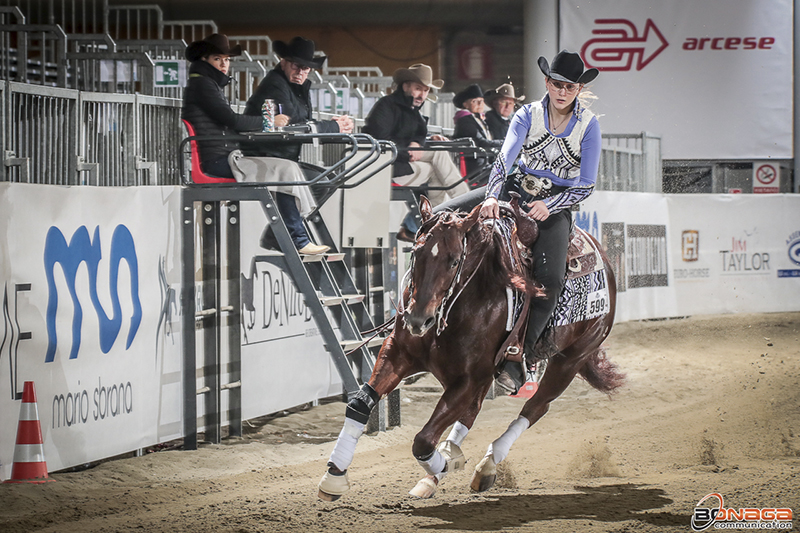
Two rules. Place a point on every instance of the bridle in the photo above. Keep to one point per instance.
(443, 309)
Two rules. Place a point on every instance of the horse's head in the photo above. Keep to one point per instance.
(438, 260)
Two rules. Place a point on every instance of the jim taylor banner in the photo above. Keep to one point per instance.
(686, 254)
(713, 78)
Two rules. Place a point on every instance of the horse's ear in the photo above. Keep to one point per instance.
(425, 208)
(472, 218)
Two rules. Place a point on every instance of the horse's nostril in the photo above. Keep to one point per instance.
(428, 323)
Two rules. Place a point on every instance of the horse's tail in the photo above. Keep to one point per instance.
(601, 373)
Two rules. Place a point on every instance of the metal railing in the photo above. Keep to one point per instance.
(126, 22)
(67, 137)
(188, 30)
(155, 48)
(41, 129)
(74, 16)
(630, 163)
(258, 46)
(40, 54)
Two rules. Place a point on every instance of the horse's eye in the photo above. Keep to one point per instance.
(454, 264)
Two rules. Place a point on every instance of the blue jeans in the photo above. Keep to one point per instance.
(286, 203)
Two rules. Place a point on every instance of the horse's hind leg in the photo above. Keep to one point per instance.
(391, 367)
(560, 372)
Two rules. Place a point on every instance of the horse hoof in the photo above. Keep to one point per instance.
(324, 496)
(453, 456)
(425, 488)
(332, 486)
(485, 474)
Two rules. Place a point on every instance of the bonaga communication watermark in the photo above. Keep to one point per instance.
(773, 518)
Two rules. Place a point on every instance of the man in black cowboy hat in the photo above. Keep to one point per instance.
(288, 85)
(398, 118)
(207, 109)
(503, 103)
(474, 126)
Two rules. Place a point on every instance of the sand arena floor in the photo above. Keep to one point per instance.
(711, 405)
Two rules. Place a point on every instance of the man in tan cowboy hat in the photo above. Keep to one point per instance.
(398, 118)
(503, 102)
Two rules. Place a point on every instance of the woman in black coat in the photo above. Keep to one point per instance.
(473, 126)
(207, 109)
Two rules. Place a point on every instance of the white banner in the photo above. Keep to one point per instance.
(686, 254)
(90, 280)
(713, 78)
(284, 361)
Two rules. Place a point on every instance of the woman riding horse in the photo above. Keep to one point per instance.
(453, 322)
(559, 141)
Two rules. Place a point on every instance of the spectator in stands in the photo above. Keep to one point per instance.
(398, 118)
(207, 109)
(503, 103)
(473, 126)
(288, 85)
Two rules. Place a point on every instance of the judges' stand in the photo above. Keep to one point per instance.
(353, 197)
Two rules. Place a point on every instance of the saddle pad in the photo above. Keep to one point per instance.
(583, 298)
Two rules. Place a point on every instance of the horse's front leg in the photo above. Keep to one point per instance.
(392, 365)
(560, 372)
(461, 405)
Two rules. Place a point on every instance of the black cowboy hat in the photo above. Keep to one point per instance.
(473, 91)
(300, 51)
(216, 43)
(567, 67)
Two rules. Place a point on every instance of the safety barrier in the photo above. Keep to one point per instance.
(68, 137)
(630, 163)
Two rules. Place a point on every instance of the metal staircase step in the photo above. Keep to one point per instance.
(353, 298)
(350, 344)
(330, 301)
(337, 256)
(377, 341)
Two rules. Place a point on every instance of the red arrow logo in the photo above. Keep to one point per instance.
(621, 43)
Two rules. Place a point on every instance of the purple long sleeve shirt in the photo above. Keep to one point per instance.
(578, 187)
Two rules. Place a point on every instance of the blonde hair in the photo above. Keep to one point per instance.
(587, 97)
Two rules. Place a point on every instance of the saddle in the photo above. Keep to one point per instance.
(582, 258)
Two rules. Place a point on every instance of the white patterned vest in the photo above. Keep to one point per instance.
(559, 155)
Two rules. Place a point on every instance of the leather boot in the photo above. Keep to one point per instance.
(511, 377)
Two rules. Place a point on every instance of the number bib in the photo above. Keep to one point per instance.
(582, 299)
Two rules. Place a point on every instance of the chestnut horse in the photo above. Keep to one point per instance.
(453, 325)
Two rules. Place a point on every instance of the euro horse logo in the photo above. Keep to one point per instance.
(81, 249)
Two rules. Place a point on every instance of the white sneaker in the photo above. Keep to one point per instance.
(313, 249)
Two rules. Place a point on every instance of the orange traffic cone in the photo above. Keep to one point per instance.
(29, 464)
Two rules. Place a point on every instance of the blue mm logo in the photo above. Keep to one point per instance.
(82, 249)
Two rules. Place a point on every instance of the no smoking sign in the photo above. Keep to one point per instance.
(765, 178)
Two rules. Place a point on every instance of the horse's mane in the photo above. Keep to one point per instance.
(497, 264)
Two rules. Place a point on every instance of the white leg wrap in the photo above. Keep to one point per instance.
(458, 433)
(434, 465)
(500, 447)
(345, 449)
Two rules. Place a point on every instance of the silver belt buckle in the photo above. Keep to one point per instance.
(534, 185)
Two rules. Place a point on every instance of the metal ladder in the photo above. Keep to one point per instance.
(324, 280)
